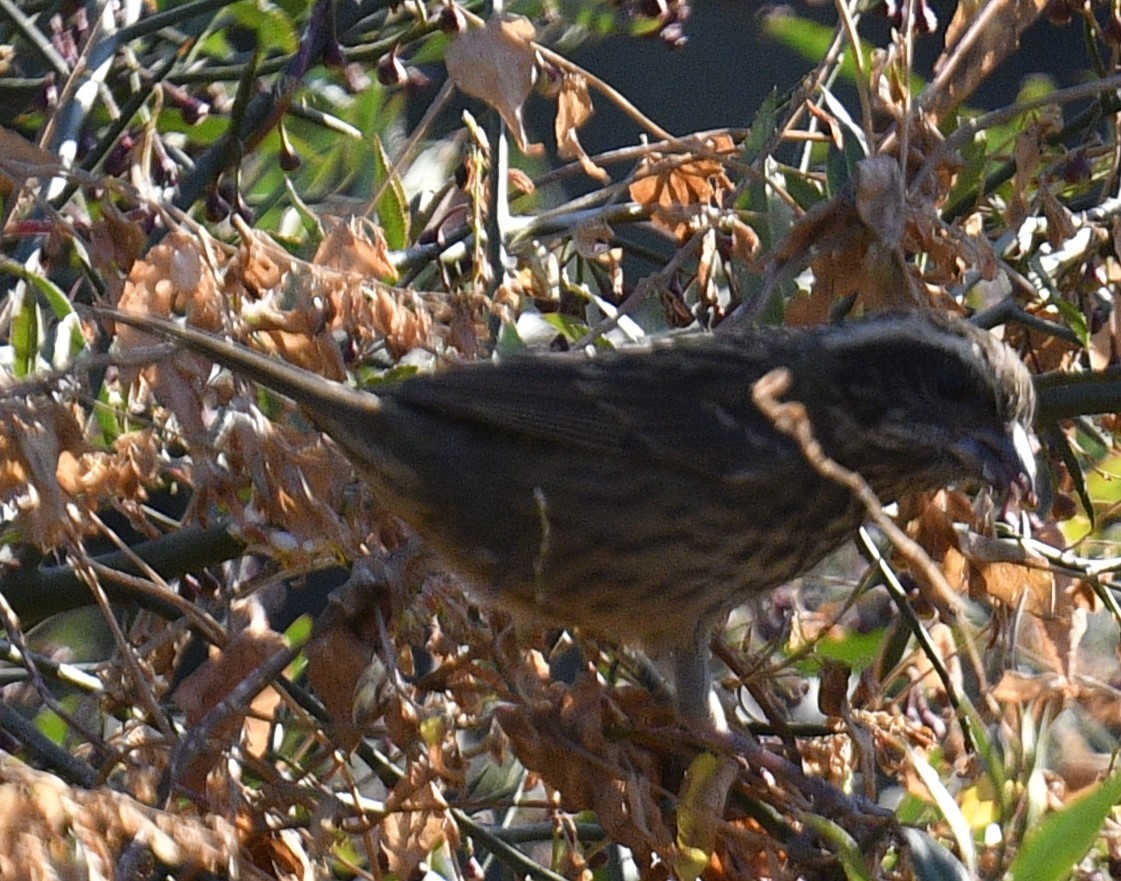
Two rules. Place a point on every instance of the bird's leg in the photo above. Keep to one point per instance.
(709, 778)
(697, 705)
(700, 711)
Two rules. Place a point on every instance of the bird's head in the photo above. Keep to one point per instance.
(922, 403)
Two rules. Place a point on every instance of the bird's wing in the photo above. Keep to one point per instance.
(694, 413)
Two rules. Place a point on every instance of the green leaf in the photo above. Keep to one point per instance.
(951, 811)
(841, 164)
(1053, 847)
(699, 807)
(568, 327)
(1075, 319)
(509, 341)
(110, 417)
(393, 204)
(762, 127)
(812, 41)
(275, 30)
(853, 860)
(858, 650)
(26, 336)
(25, 332)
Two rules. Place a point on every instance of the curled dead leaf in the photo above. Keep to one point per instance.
(965, 64)
(211, 683)
(174, 278)
(574, 108)
(497, 63)
(356, 247)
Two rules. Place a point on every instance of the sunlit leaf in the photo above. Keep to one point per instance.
(1061, 839)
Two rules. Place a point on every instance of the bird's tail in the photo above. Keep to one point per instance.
(315, 393)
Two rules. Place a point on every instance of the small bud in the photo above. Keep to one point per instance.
(452, 20)
(217, 208)
(289, 159)
(1077, 168)
(390, 70)
(356, 79)
(117, 160)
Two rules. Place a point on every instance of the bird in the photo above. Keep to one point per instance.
(639, 493)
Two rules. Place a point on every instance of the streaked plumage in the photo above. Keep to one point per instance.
(639, 493)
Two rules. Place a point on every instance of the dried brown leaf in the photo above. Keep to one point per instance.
(341, 648)
(418, 821)
(212, 682)
(563, 738)
(40, 442)
(174, 278)
(1017, 586)
(21, 160)
(746, 244)
(115, 245)
(50, 830)
(1005, 21)
(358, 248)
(498, 64)
(574, 108)
(677, 189)
(1060, 222)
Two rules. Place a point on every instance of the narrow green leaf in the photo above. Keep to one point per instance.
(1053, 847)
(763, 126)
(393, 206)
(950, 809)
(853, 860)
(699, 808)
(857, 650)
(812, 40)
(25, 333)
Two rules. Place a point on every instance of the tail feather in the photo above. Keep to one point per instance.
(312, 391)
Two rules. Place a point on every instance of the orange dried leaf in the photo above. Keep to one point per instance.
(361, 249)
(1014, 584)
(217, 678)
(521, 181)
(557, 734)
(677, 189)
(174, 277)
(746, 244)
(1018, 688)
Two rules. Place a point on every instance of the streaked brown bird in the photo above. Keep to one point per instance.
(639, 494)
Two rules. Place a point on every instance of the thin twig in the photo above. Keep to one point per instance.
(792, 419)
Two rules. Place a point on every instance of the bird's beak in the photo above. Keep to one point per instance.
(1025, 479)
(1005, 462)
